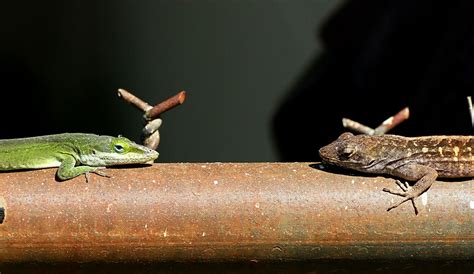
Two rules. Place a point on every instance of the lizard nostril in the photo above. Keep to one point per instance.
(323, 152)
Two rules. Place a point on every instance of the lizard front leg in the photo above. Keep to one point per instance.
(68, 169)
(424, 177)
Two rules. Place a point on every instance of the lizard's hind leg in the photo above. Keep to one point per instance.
(405, 187)
(424, 177)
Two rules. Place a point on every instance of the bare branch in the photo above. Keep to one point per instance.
(357, 127)
(151, 135)
(392, 122)
(133, 100)
(380, 130)
(166, 105)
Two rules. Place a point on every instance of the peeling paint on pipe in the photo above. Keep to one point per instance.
(227, 212)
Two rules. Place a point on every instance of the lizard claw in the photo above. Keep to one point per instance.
(101, 173)
(98, 172)
(408, 193)
(398, 193)
(405, 187)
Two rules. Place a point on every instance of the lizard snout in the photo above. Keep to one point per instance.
(325, 153)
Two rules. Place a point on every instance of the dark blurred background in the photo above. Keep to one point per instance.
(266, 80)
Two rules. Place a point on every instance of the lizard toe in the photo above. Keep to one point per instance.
(398, 193)
(101, 173)
(403, 186)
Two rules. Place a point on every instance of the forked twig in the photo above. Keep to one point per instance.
(357, 127)
(387, 125)
(166, 105)
(151, 135)
(393, 121)
(133, 100)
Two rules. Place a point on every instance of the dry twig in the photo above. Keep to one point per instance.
(133, 100)
(380, 130)
(357, 127)
(151, 135)
(166, 105)
(393, 121)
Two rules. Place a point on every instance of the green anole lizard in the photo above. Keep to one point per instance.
(73, 153)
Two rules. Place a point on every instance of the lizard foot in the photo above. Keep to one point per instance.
(405, 187)
(407, 192)
(98, 172)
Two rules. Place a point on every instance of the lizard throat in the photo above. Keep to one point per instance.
(110, 159)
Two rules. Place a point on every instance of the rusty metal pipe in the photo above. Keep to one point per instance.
(227, 212)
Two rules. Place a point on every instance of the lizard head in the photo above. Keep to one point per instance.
(348, 151)
(107, 151)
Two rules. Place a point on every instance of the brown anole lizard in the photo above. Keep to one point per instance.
(418, 159)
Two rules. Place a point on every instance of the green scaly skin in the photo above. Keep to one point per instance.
(73, 153)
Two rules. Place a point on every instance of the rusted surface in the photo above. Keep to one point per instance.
(227, 212)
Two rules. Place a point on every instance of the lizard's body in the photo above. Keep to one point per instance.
(73, 153)
(420, 159)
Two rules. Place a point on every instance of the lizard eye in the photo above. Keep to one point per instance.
(348, 152)
(118, 148)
